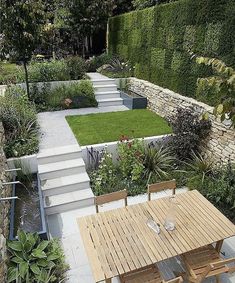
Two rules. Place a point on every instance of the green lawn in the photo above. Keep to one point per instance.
(107, 127)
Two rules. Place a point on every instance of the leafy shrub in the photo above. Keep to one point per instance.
(76, 67)
(74, 95)
(188, 133)
(95, 62)
(34, 260)
(19, 119)
(130, 157)
(55, 70)
(219, 188)
(138, 164)
(105, 176)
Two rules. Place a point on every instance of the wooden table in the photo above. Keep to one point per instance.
(119, 241)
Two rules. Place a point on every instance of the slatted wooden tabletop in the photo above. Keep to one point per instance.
(119, 241)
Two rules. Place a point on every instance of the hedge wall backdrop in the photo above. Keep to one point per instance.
(157, 40)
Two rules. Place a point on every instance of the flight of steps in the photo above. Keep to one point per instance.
(106, 92)
(64, 181)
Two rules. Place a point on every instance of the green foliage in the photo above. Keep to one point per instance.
(116, 68)
(76, 67)
(97, 61)
(137, 165)
(73, 95)
(156, 40)
(19, 119)
(221, 87)
(34, 260)
(130, 158)
(72, 68)
(218, 187)
(189, 131)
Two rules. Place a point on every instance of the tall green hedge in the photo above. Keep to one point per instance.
(157, 40)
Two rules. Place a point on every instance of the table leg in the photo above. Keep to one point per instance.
(219, 245)
(108, 280)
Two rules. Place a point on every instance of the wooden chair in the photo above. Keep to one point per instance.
(99, 200)
(150, 274)
(205, 262)
(158, 187)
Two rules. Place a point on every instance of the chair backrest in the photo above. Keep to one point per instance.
(157, 187)
(220, 266)
(175, 280)
(99, 200)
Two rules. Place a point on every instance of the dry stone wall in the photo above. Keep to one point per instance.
(220, 145)
(5, 191)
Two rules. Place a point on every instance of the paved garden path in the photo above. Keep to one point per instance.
(55, 130)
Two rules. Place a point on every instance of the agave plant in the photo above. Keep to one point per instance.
(33, 260)
(157, 162)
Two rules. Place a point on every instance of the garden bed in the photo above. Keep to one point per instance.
(107, 127)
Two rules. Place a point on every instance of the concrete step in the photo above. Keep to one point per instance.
(68, 201)
(57, 154)
(110, 102)
(101, 88)
(107, 94)
(61, 168)
(103, 82)
(65, 184)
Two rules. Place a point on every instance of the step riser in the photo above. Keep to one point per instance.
(103, 82)
(57, 158)
(106, 88)
(69, 206)
(107, 96)
(62, 172)
(66, 189)
(110, 103)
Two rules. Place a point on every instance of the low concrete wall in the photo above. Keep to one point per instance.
(220, 145)
(111, 147)
(27, 161)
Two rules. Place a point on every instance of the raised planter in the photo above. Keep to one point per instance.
(133, 100)
(27, 213)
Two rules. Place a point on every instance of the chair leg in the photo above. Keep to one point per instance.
(217, 279)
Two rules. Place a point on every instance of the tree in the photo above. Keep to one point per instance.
(222, 83)
(21, 27)
(88, 17)
(141, 4)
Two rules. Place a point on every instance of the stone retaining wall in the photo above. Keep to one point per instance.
(220, 145)
(5, 191)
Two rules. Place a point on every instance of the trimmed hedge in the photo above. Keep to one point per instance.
(157, 40)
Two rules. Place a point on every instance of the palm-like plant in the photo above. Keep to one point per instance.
(200, 166)
(157, 162)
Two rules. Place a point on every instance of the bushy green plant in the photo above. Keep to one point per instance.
(55, 70)
(34, 260)
(97, 61)
(19, 119)
(199, 166)
(189, 131)
(73, 95)
(158, 163)
(130, 158)
(76, 67)
(218, 187)
(104, 179)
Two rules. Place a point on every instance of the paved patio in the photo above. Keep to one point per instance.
(64, 226)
